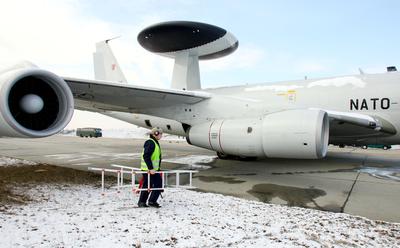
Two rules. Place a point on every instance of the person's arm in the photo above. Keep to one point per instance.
(148, 151)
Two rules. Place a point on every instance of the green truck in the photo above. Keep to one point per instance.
(379, 146)
(89, 132)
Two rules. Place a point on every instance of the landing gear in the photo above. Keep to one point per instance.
(246, 158)
(223, 156)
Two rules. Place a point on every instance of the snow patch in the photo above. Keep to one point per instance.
(134, 133)
(88, 156)
(5, 161)
(193, 161)
(339, 82)
(274, 87)
(76, 216)
(391, 173)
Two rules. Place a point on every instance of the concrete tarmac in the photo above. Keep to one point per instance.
(349, 180)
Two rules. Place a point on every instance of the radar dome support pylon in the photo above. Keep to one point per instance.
(187, 42)
(186, 73)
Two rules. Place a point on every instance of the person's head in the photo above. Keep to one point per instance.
(156, 133)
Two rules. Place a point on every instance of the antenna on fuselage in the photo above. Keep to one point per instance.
(114, 38)
(187, 42)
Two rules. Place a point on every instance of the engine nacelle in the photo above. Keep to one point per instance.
(286, 134)
(34, 103)
(296, 134)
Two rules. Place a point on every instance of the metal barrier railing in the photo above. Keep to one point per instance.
(135, 171)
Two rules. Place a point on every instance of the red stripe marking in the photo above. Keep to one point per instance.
(219, 137)
(209, 137)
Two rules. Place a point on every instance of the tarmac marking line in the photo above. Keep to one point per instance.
(352, 186)
(348, 196)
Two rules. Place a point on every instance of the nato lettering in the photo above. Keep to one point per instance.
(369, 104)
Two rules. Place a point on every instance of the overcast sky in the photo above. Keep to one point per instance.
(278, 40)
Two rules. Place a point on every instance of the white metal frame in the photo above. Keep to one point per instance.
(122, 170)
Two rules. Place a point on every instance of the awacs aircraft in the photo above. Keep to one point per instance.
(294, 119)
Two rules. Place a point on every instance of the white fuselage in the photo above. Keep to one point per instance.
(371, 94)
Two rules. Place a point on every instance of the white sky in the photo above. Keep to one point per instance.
(277, 41)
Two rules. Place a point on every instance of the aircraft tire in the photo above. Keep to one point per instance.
(247, 158)
(223, 156)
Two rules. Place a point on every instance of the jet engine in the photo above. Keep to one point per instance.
(34, 103)
(302, 134)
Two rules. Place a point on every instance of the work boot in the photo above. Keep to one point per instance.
(154, 205)
(142, 205)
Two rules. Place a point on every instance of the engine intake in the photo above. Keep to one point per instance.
(34, 103)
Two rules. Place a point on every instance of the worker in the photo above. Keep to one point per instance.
(151, 162)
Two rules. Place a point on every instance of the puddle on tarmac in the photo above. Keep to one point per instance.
(212, 179)
(293, 196)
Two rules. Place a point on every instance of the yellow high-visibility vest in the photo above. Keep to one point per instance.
(155, 158)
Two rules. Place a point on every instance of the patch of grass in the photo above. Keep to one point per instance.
(27, 176)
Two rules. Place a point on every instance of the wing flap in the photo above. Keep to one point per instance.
(128, 98)
(355, 119)
(347, 124)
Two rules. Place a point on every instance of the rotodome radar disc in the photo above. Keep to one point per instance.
(201, 39)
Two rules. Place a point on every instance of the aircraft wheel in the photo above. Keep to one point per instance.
(247, 158)
(364, 147)
(385, 147)
(222, 155)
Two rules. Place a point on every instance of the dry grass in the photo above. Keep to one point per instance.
(27, 176)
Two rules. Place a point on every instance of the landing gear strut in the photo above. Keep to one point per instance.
(223, 156)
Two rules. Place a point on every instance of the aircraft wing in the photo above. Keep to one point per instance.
(111, 96)
(345, 124)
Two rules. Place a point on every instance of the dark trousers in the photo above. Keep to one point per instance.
(155, 182)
